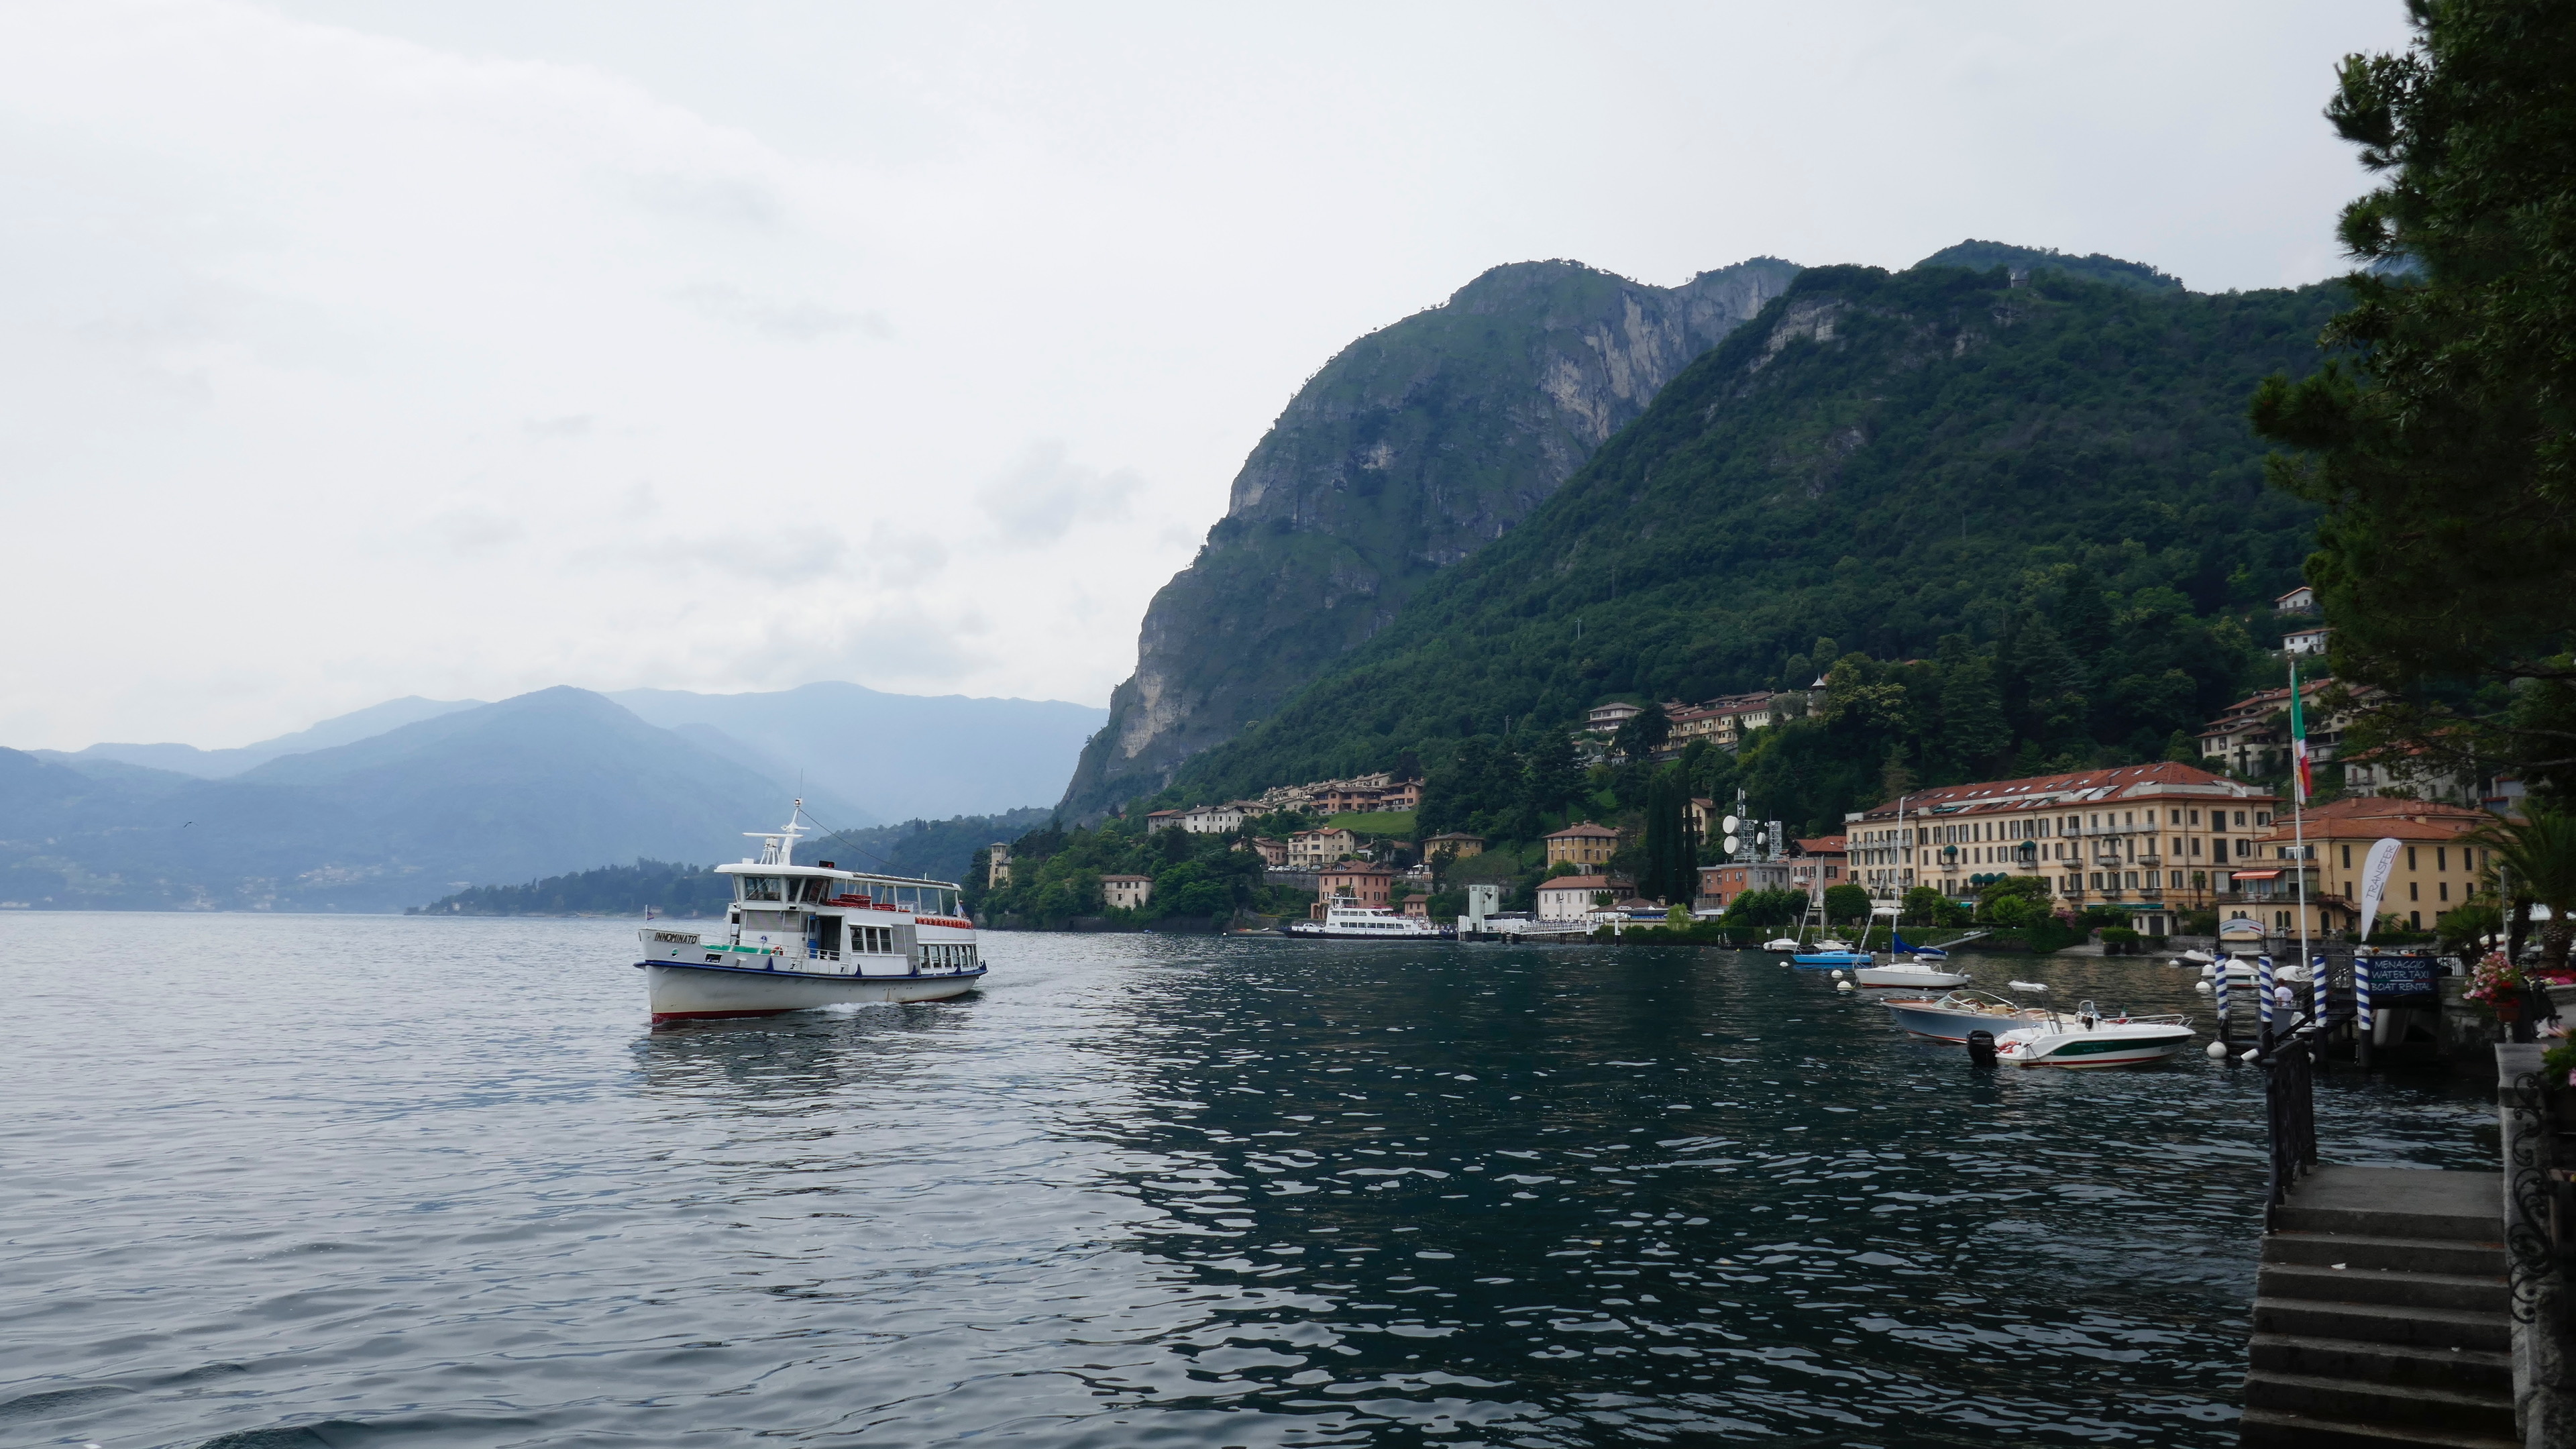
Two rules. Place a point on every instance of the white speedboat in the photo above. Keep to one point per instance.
(2091, 1038)
(1782, 943)
(1952, 1016)
(803, 936)
(2195, 958)
(1350, 921)
(1903, 975)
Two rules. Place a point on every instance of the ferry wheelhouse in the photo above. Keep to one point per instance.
(798, 937)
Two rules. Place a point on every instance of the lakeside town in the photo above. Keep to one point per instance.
(2144, 852)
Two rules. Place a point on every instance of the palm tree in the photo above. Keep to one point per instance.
(2538, 853)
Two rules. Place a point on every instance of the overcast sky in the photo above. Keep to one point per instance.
(355, 350)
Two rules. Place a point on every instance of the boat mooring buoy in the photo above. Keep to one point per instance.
(1843, 986)
(2252, 1055)
(2218, 1051)
(1838, 976)
(1981, 1049)
(2202, 987)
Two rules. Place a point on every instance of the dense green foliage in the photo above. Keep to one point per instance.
(2444, 448)
(1982, 256)
(1055, 878)
(614, 890)
(2050, 489)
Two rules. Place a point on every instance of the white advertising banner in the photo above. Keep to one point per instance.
(2374, 881)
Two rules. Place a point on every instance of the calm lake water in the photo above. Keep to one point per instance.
(313, 1181)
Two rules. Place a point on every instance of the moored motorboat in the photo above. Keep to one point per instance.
(1900, 975)
(2092, 1038)
(1822, 958)
(1952, 1016)
(803, 936)
(1781, 943)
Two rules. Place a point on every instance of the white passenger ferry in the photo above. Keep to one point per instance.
(803, 936)
(1352, 921)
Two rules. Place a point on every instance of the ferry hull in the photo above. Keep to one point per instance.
(686, 993)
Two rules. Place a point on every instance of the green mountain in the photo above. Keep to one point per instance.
(1414, 448)
(1983, 256)
(2046, 482)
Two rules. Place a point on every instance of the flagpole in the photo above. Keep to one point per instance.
(2299, 824)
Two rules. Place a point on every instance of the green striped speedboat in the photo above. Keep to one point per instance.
(2091, 1038)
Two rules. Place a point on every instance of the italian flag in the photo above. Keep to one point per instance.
(2299, 737)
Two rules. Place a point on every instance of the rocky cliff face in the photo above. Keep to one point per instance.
(1415, 447)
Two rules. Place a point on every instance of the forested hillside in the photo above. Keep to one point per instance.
(1414, 447)
(2039, 504)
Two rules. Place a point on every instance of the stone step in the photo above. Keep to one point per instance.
(2278, 1427)
(2346, 1400)
(2359, 1250)
(2384, 1323)
(2484, 1226)
(2386, 1363)
(2379, 1285)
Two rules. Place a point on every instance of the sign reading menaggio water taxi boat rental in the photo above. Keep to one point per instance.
(2404, 981)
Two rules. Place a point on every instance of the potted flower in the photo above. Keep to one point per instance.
(2498, 984)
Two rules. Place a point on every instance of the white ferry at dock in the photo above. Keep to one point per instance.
(803, 936)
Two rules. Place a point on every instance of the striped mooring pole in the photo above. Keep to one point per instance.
(2223, 962)
(2362, 1020)
(2321, 979)
(2263, 994)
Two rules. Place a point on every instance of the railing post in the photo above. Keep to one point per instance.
(2544, 1392)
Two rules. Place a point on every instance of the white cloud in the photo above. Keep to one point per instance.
(1044, 494)
(464, 346)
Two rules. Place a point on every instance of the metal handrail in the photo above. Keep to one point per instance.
(2289, 1064)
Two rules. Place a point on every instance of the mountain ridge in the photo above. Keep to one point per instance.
(1412, 448)
(1878, 461)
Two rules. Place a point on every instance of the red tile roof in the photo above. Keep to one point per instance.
(2056, 792)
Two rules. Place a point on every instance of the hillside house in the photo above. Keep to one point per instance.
(2301, 600)
(997, 866)
(1161, 820)
(1455, 844)
(1273, 853)
(1127, 892)
(2306, 641)
(1582, 843)
(1314, 849)
(2253, 736)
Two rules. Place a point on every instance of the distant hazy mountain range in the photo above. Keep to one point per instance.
(408, 801)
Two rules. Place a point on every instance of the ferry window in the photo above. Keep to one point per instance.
(813, 888)
(762, 887)
(907, 898)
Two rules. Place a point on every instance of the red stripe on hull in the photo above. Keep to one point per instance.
(711, 1015)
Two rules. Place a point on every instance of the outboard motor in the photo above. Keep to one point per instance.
(1981, 1050)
